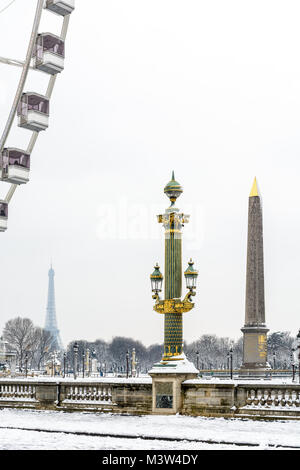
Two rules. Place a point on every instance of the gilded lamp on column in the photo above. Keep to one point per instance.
(156, 281)
(172, 306)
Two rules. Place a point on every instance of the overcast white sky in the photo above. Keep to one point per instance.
(210, 89)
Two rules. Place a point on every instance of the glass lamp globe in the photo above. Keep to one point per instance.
(156, 279)
(191, 275)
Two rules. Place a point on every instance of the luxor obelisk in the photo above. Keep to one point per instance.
(255, 330)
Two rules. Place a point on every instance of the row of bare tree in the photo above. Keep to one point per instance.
(208, 352)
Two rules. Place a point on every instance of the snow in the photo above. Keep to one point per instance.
(262, 382)
(148, 379)
(80, 380)
(233, 431)
(23, 399)
(26, 440)
(181, 366)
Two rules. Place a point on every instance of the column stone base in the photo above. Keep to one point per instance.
(167, 377)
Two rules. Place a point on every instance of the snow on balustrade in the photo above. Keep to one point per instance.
(287, 398)
(89, 393)
(16, 392)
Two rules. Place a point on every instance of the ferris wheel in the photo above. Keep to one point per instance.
(45, 53)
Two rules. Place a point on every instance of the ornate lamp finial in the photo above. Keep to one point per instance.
(173, 189)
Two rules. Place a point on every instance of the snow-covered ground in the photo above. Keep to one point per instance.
(108, 429)
(29, 440)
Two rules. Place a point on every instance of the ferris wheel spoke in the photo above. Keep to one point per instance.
(18, 63)
(10, 193)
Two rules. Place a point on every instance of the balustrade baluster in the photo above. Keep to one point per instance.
(269, 398)
(262, 400)
(289, 400)
(297, 399)
(283, 399)
(256, 399)
(276, 399)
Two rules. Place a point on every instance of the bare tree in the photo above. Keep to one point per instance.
(280, 343)
(20, 333)
(43, 340)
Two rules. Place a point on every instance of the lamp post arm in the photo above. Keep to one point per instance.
(156, 297)
(189, 295)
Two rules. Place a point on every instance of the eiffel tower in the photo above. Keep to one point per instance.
(51, 322)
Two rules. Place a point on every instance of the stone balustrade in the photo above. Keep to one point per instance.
(97, 393)
(120, 396)
(116, 395)
(268, 397)
(239, 399)
(269, 400)
(134, 396)
(17, 392)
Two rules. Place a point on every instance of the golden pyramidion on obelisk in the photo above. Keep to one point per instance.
(254, 190)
